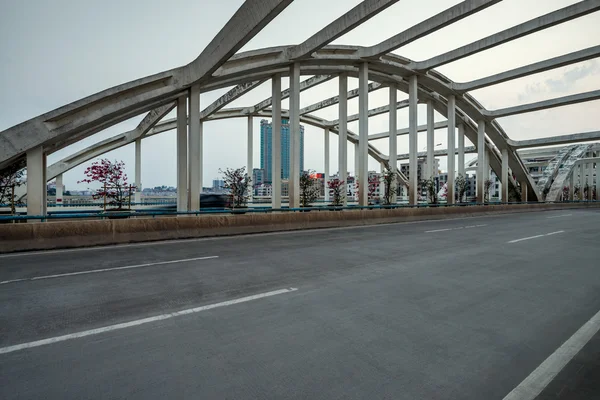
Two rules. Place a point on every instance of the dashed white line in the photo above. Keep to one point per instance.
(95, 271)
(129, 324)
(535, 237)
(559, 216)
(533, 385)
(455, 229)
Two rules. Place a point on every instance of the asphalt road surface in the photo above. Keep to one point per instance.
(453, 309)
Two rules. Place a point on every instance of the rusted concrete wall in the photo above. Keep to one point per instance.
(68, 234)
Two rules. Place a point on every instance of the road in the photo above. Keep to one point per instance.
(452, 309)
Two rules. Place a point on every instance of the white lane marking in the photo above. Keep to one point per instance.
(533, 385)
(129, 324)
(559, 216)
(94, 271)
(535, 237)
(455, 229)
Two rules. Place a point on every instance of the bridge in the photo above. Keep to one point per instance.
(478, 301)
(376, 67)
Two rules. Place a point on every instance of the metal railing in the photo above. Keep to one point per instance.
(101, 214)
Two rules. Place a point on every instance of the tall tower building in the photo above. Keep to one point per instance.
(266, 148)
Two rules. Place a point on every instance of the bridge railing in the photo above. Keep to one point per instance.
(101, 214)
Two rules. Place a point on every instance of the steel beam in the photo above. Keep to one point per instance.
(353, 18)
(546, 21)
(435, 23)
(535, 68)
(404, 131)
(230, 96)
(336, 99)
(307, 84)
(543, 105)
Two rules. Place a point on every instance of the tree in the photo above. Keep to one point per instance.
(337, 190)
(239, 183)
(113, 180)
(373, 186)
(428, 185)
(460, 183)
(487, 184)
(309, 188)
(10, 178)
(513, 194)
(565, 193)
(389, 178)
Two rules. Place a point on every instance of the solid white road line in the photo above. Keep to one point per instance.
(535, 237)
(124, 325)
(94, 271)
(559, 216)
(533, 385)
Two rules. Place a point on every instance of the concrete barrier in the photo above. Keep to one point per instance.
(70, 234)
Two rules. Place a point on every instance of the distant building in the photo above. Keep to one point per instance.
(218, 185)
(258, 179)
(421, 168)
(263, 190)
(266, 149)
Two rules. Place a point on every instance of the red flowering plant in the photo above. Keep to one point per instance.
(113, 180)
(337, 190)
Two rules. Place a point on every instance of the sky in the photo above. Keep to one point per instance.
(56, 52)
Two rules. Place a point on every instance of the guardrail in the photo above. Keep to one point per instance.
(100, 214)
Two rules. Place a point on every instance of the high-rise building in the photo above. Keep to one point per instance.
(266, 148)
(218, 185)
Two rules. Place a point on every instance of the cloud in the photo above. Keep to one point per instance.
(563, 84)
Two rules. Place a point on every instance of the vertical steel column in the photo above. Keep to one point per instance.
(412, 140)
(451, 147)
(276, 143)
(59, 190)
(326, 165)
(250, 154)
(363, 133)
(393, 139)
(182, 155)
(504, 178)
(461, 149)
(343, 134)
(138, 171)
(480, 177)
(195, 149)
(431, 172)
(294, 180)
(36, 182)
